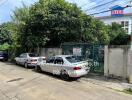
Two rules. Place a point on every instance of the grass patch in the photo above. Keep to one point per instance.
(128, 91)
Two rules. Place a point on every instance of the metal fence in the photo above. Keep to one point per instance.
(94, 53)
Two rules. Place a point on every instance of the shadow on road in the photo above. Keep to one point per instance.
(56, 76)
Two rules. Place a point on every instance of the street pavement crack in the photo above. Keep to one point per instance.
(17, 79)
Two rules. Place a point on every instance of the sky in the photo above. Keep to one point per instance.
(7, 6)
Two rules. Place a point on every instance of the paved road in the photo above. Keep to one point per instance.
(18, 83)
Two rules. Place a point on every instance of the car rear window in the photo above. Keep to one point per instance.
(33, 55)
(74, 59)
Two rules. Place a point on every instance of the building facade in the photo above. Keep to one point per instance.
(125, 21)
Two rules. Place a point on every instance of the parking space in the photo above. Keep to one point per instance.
(18, 83)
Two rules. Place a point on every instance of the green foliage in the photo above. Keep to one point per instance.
(57, 20)
(117, 35)
(4, 46)
(128, 91)
(5, 32)
(94, 31)
(52, 22)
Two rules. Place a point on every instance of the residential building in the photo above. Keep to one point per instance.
(125, 21)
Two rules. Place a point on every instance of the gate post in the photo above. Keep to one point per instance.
(106, 61)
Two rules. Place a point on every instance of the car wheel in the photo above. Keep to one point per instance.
(64, 75)
(26, 65)
(16, 63)
(38, 69)
(3, 60)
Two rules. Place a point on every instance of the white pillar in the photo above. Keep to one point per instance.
(106, 61)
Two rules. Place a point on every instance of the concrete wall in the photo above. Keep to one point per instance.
(47, 52)
(115, 62)
(129, 64)
(118, 62)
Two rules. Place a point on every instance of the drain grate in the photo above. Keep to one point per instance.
(17, 79)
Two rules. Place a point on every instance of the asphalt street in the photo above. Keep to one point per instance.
(18, 83)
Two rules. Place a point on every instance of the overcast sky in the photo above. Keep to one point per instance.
(7, 6)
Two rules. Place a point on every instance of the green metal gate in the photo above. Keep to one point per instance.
(94, 53)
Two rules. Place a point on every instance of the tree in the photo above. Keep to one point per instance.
(27, 40)
(52, 22)
(94, 31)
(117, 35)
(57, 20)
(5, 32)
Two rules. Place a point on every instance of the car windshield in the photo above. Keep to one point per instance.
(33, 55)
(74, 59)
(2, 52)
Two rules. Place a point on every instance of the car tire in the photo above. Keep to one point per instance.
(38, 69)
(64, 75)
(26, 65)
(3, 60)
(16, 63)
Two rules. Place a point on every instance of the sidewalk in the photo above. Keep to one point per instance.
(101, 80)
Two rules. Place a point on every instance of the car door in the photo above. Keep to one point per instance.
(48, 65)
(58, 65)
(19, 59)
(23, 58)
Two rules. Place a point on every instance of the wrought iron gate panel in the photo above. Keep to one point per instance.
(94, 53)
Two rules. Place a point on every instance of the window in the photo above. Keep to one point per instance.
(41, 59)
(22, 56)
(59, 60)
(50, 60)
(25, 55)
(74, 59)
(32, 55)
(125, 25)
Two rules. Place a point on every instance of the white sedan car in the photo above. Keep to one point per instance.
(64, 65)
(28, 59)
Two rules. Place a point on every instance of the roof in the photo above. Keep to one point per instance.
(117, 7)
(105, 17)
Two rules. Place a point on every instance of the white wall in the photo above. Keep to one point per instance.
(115, 62)
(129, 70)
(109, 20)
(118, 62)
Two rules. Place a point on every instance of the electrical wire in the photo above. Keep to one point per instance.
(100, 12)
(111, 5)
(106, 11)
(88, 3)
(100, 5)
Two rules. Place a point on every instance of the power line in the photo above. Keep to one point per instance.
(100, 12)
(87, 3)
(100, 5)
(107, 11)
(110, 5)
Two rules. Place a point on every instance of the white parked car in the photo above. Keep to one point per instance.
(28, 59)
(65, 65)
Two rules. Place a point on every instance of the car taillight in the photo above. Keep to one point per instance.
(76, 68)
